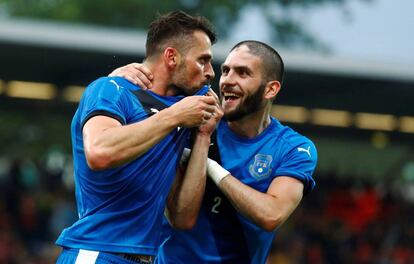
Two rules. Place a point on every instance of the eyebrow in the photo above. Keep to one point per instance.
(237, 68)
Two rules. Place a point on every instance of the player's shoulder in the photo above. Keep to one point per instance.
(118, 83)
(286, 133)
(109, 87)
(290, 137)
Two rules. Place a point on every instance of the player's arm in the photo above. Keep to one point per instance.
(185, 197)
(267, 210)
(108, 144)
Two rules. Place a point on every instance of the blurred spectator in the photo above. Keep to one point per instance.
(343, 221)
(31, 209)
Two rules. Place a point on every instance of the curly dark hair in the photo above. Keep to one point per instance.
(176, 28)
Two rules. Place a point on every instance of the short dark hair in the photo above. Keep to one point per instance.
(176, 28)
(273, 66)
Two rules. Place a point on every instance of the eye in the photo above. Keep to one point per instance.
(204, 60)
(242, 72)
(224, 70)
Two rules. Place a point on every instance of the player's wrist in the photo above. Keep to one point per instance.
(216, 172)
(202, 138)
(168, 118)
(202, 132)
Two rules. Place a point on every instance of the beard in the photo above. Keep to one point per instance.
(180, 83)
(251, 104)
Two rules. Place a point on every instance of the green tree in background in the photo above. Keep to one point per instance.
(139, 13)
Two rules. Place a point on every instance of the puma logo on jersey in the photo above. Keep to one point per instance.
(116, 84)
(153, 110)
(305, 150)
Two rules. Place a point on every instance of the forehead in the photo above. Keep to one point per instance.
(201, 44)
(241, 57)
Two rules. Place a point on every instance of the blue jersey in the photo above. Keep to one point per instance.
(121, 209)
(221, 234)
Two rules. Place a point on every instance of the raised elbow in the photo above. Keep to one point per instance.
(98, 159)
(183, 224)
(270, 226)
(270, 223)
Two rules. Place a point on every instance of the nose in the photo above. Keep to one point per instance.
(226, 79)
(209, 72)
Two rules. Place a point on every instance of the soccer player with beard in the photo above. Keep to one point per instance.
(265, 167)
(127, 144)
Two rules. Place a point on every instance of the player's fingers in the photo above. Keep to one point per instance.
(124, 72)
(114, 73)
(219, 107)
(143, 69)
(119, 73)
(208, 115)
(219, 112)
(134, 76)
(143, 80)
(210, 109)
(212, 93)
(139, 83)
(208, 99)
(205, 121)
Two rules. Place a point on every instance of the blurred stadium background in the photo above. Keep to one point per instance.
(358, 111)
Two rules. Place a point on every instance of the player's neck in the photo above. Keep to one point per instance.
(251, 125)
(161, 78)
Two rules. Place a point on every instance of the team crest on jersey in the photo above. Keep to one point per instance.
(261, 167)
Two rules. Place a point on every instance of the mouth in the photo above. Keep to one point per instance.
(230, 97)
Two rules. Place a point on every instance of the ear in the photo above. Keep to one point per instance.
(171, 57)
(272, 89)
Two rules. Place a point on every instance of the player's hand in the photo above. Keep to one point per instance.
(136, 73)
(209, 125)
(193, 111)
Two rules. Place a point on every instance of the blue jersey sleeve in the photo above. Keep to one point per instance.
(299, 162)
(104, 96)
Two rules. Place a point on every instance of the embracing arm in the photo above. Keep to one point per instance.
(267, 210)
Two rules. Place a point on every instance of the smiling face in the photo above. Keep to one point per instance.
(194, 69)
(241, 84)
